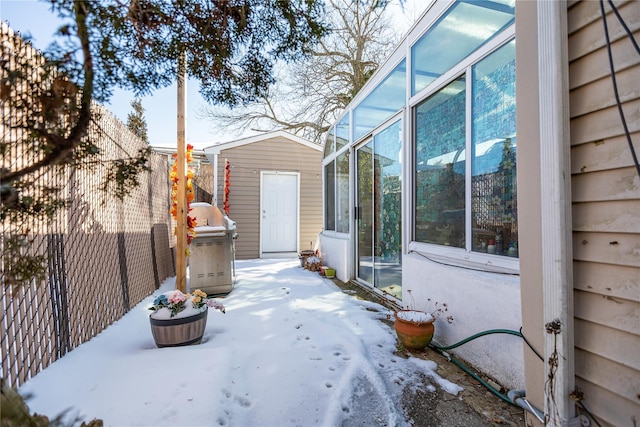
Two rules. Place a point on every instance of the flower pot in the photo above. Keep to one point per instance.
(303, 255)
(179, 332)
(330, 273)
(414, 328)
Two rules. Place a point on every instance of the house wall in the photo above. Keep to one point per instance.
(495, 304)
(273, 154)
(336, 253)
(529, 212)
(606, 212)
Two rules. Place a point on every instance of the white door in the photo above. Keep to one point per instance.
(279, 212)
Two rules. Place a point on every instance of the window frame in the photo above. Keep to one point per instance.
(325, 175)
(328, 159)
(441, 253)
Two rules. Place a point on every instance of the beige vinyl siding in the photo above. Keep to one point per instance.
(606, 212)
(275, 154)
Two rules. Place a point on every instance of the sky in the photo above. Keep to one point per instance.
(291, 350)
(33, 17)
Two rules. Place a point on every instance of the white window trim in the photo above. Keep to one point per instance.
(464, 258)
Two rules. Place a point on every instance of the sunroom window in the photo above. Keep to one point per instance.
(330, 196)
(336, 178)
(493, 181)
(330, 144)
(383, 102)
(442, 141)
(342, 132)
(342, 192)
(440, 170)
(465, 27)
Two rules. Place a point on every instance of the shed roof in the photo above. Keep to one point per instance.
(217, 148)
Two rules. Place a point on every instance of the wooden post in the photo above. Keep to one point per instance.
(181, 226)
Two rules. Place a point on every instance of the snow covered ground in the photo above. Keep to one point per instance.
(291, 350)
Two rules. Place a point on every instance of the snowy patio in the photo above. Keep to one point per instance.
(291, 350)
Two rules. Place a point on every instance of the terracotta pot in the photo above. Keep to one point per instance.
(179, 332)
(303, 255)
(415, 335)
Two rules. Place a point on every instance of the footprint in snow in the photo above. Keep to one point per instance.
(243, 401)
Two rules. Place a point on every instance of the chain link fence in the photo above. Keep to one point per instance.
(101, 256)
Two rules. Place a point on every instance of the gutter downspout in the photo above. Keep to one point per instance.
(557, 255)
(518, 398)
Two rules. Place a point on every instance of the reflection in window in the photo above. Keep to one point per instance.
(342, 196)
(387, 193)
(329, 196)
(440, 168)
(493, 182)
(383, 102)
(461, 30)
(329, 144)
(364, 202)
(342, 132)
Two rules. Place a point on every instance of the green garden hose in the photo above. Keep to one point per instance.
(443, 351)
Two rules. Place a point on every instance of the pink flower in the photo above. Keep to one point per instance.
(177, 297)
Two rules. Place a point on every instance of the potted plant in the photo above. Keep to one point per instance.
(303, 255)
(415, 328)
(313, 263)
(180, 319)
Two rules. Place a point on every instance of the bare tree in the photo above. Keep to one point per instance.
(310, 95)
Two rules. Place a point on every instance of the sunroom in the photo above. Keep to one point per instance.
(420, 194)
